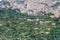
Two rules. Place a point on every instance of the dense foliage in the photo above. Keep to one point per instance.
(14, 26)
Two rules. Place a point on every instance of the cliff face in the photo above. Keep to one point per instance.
(33, 6)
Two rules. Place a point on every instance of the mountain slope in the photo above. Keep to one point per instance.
(19, 26)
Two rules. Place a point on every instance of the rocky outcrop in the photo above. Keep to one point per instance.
(33, 6)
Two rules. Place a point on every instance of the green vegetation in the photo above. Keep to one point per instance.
(14, 26)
